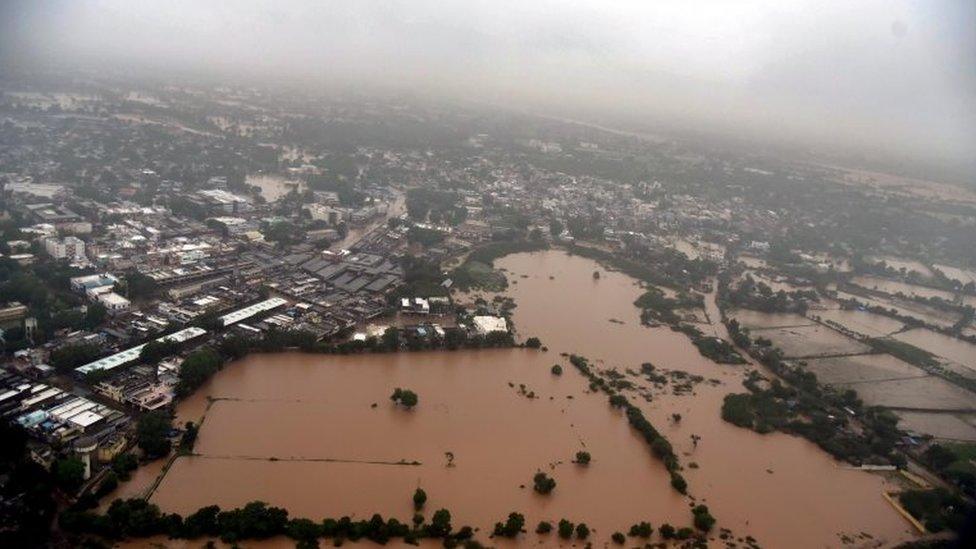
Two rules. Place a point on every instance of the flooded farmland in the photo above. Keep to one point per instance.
(949, 348)
(811, 340)
(334, 453)
(861, 322)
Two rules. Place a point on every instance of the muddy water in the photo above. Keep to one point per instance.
(301, 409)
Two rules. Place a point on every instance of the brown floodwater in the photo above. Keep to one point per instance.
(335, 454)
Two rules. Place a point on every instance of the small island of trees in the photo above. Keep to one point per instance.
(404, 397)
(543, 483)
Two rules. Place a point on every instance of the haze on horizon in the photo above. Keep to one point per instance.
(893, 77)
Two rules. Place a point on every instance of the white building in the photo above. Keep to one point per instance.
(69, 247)
(113, 302)
(487, 324)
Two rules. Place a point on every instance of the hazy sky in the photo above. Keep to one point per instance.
(886, 74)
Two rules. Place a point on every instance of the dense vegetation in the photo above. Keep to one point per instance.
(137, 518)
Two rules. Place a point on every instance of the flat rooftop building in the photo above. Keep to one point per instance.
(251, 310)
(129, 355)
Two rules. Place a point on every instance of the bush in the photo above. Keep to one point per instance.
(419, 498)
(703, 519)
(641, 530)
(543, 483)
(565, 529)
(512, 526)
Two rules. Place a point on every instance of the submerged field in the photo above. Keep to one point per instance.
(301, 431)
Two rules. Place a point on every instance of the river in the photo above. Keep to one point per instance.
(279, 417)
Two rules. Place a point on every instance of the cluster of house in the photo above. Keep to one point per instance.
(60, 418)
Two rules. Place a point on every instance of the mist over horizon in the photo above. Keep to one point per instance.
(891, 79)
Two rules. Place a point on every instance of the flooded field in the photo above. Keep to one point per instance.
(899, 264)
(949, 348)
(923, 393)
(962, 276)
(755, 320)
(305, 409)
(895, 287)
(862, 322)
(812, 340)
(861, 368)
(940, 425)
(273, 187)
(925, 313)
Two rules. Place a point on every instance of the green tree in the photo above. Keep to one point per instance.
(543, 483)
(556, 370)
(69, 473)
(152, 431)
(566, 529)
(196, 369)
(404, 397)
(583, 457)
(419, 498)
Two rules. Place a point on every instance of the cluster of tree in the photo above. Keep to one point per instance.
(819, 414)
(44, 288)
(543, 483)
(659, 445)
(283, 232)
(139, 286)
(758, 296)
(955, 463)
(404, 397)
(711, 347)
(123, 465)
(652, 264)
(344, 189)
(938, 509)
(425, 237)
(512, 527)
(566, 529)
(657, 307)
(68, 357)
(27, 492)
(152, 434)
(478, 267)
(197, 368)
(137, 518)
(436, 206)
(702, 519)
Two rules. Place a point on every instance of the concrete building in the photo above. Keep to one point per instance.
(486, 324)
(69, 247)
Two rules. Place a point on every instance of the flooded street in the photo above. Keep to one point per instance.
(300, 431)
